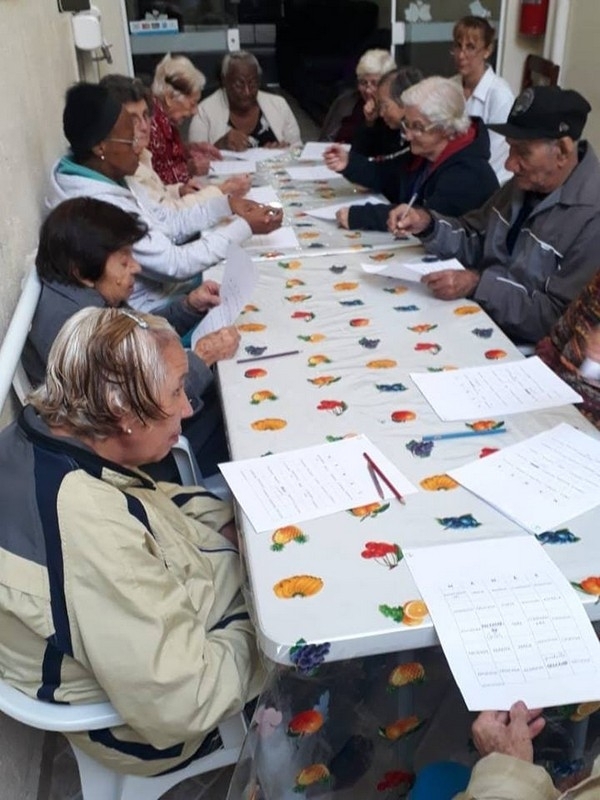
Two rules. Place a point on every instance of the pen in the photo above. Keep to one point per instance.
(375, 480)
(263, 358)
(380, 474)
(410, 204)
(434, 437)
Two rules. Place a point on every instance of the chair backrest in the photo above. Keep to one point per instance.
(538, 71)
(11, 370)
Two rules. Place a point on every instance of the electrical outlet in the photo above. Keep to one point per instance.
(233, 39)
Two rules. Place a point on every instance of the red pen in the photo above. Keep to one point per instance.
(380, 474)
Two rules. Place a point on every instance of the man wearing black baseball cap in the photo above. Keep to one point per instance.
(535, 243)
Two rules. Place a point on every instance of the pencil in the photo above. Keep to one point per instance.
(375, 480)
(435, 437)
(263, 358)
(380, 474)
(410, 204)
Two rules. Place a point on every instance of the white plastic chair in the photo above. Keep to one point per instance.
(97, 781)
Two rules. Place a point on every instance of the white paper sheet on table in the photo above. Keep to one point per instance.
(320, 173)
(328, 212)
(281, 239)
(313, 151)
(255, 154)
(263, 194)
(510, 625)
(311, 482)
(412, 270)
(237, 286)
(231, 167)
(541, 482)
(469, 393)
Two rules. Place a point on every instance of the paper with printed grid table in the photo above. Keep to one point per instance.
(510, 624)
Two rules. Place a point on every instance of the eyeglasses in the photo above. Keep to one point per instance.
(469, 49)
(416, 128)
(131, 142)
(367, 83)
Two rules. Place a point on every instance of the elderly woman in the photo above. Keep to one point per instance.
(446, 170)
(177, 88)
(136, 99)
(239, 115)
(105, 151)
(84, 258)
(353, 118)
(113, 585)
(488, 96)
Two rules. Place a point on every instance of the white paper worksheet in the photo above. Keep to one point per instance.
(263, 194)
(510, 624)
(463, 394)
(313, 151)
(310, 482)
(541, 482)
(231, 167)
(320, 173)
(282, 239)
(240, 277)
(411, 270)
(329, 212)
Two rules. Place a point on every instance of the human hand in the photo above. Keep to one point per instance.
(261, 218)
(219, 345)
(510, 733)
(403, 220)
(275, 145)
(592, 348)
(448, 284)
(205, 297)
(370, 111)
(237, 185)
(234, 140)
(206, 149)
(198, 163)
(190, 187)
(336, 158)
(341, 216)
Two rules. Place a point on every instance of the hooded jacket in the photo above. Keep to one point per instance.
(166, 253)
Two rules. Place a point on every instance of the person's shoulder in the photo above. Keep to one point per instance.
(496, 86)
(214, 100)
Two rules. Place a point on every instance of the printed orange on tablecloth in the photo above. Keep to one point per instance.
(314, 361)
(345, 286)
(382, 363)
(251, 327)
(268, 424)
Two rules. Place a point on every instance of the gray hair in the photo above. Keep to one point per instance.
(402, 79)
(239, 57)
(104, 363)
(375, 62)
(176, 75)
(441, 101)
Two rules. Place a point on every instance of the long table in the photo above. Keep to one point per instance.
(359, 337)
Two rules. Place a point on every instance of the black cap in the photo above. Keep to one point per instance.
(89, 116)
(545, 112)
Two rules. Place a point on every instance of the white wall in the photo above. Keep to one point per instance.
(38, 64)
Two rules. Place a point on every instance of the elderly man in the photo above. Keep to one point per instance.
(534, 244)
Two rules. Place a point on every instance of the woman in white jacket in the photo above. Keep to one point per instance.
(239, 116)
(104, 151)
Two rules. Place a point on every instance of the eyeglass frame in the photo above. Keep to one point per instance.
(409, 127)
(131, 142)
(468, 48)
(239, 84)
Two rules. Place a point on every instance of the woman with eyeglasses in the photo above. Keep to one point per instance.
(104, 152)
(487, 95)
(176, 90)
(112, 585)
(354, 116)
(447, 168)
(240, 115)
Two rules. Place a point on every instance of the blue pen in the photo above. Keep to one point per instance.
(435, 437)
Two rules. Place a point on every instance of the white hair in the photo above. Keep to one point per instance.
(176, 75)
(239, 57)
(441, 101)
(375, 62)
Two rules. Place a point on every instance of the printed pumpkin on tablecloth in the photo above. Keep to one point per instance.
(251, 327)
(401, 728)
(291, 283)
(314, 361)
(309, 776)
(437, 483)
(464, 311)
(324, 380)
(260, 397)
(298, 298)
(345, 286)
(294, 264)
(370, 510)
(382, 363)
(298, 586)
(382, 256)
(424, 328)
(285, 535)
(405, 674)
(268, 424)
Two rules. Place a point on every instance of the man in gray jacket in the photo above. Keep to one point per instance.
(536, 242)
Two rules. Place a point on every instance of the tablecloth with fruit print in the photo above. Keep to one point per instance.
(329, 594)
(315, 236)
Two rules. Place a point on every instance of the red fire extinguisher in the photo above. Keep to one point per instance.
(534, 14)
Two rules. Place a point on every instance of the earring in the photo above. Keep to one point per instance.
(101, 156)
(128, 431)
